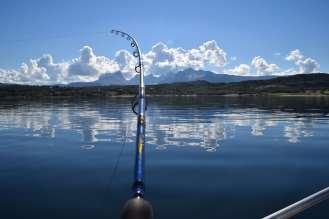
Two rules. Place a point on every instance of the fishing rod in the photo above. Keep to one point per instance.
(301, 205)
(137, 207)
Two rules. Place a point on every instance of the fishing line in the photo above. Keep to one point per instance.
(115, 168)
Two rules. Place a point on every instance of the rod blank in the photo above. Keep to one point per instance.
(301, 205)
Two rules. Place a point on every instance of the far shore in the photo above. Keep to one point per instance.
(77, 97)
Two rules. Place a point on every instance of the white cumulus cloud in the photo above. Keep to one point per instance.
(9, 76)
(305, 65)
(36, 71)
(308, 65)
(242, 69)
(295, 55)
(89, 67)
(126, 62)
(162, 59)
(263, 67)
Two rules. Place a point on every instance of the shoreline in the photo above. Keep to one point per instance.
(67, 97)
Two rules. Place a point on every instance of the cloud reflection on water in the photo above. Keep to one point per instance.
(167, 127)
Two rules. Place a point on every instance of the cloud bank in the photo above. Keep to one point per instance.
(305, 65)
(159, 60)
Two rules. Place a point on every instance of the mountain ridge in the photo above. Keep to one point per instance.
(186, 75)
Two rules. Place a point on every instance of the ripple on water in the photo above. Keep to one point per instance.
(87, 147)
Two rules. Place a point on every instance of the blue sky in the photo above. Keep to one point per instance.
(269, 29)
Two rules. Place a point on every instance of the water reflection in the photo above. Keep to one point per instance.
(299, 129)
(206, 126)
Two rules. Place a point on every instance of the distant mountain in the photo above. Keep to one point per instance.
(82, 84)
(187, 75)
(104, 80)
(112, 79)
(200, 75)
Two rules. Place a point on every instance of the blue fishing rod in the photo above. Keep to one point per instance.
(137, 207)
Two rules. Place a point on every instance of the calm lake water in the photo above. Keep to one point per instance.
(207, 157)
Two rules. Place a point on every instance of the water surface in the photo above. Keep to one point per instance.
(208, 157)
